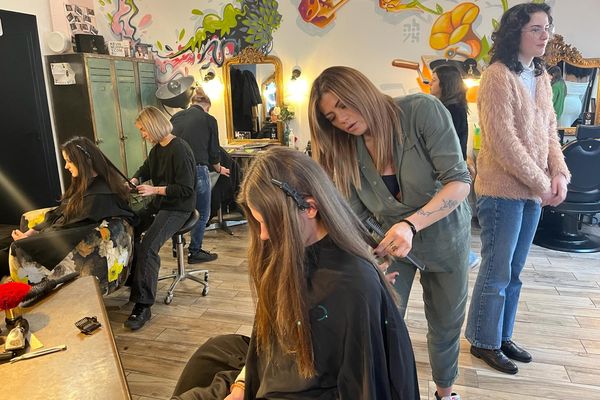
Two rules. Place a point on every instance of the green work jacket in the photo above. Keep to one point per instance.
(428, 157)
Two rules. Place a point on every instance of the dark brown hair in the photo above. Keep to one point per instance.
(90, 162)
(452, 87)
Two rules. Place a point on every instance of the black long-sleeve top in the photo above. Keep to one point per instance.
(200, 130)
(172, 166)
(459, 119)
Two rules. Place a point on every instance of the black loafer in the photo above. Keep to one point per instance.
(139, 316)
(496, 359)
(515, 352)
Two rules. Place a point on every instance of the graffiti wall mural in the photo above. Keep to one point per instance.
(218, 34)
(241, 24)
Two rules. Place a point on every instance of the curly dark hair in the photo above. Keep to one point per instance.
(507, 37)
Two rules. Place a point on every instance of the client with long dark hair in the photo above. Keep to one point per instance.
(96, 192)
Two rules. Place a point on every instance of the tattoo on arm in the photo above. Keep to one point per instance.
(446, 205)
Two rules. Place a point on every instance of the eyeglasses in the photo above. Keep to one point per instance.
(538, 30)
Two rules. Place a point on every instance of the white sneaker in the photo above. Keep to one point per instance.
(453, 396)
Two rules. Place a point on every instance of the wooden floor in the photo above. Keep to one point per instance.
(558, 321)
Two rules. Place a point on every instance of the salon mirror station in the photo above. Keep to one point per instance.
(253, 88)
(576, 102)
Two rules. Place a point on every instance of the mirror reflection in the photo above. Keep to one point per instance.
(253, 90)
(575, 86)
(575, 93)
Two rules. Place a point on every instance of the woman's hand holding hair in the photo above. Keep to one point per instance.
(147, 190)
(397, 241)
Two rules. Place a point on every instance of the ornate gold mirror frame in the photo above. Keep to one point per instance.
(252, 56)
(557, 51)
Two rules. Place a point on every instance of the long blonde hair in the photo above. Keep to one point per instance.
(334, 149)
(277, 271)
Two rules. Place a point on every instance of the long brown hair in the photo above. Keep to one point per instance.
(452, 86)
(334, 149)
(277, 270)
(90, 162)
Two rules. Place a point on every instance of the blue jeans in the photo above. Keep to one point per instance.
(507, 230)
(203, 207)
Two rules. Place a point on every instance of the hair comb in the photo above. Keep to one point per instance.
(293, 193)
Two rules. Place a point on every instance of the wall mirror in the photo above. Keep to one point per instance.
(582, 91)
(253, 87)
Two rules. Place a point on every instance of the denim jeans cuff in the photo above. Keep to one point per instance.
(446, 382)
(480, 345)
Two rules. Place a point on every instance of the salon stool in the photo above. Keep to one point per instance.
(181, 274)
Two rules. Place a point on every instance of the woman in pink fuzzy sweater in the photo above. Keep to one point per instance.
(520, 168)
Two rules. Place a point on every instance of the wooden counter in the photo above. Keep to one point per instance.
(90, 368)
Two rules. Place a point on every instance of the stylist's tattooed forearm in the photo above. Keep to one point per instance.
(446, 205)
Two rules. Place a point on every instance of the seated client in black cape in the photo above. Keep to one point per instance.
(96, 192)
(327, 325)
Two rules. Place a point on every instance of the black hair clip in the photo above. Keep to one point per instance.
(293, 193)
(87, 154)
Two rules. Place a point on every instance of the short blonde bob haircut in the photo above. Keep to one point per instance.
(155, 123)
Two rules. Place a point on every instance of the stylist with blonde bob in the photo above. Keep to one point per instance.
(399, 160)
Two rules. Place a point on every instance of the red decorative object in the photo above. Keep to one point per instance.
(12, 293)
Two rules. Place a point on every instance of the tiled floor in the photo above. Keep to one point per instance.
(558, 320)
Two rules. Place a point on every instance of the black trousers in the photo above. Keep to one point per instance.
(212, 369)
(159, 229)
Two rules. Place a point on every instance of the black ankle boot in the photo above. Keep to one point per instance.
(139, 316)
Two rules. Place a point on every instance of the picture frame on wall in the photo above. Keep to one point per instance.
(143, 50)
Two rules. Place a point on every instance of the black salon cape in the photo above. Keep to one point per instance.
(361, 346)
(57, 238)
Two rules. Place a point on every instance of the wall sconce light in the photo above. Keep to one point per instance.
(471, 79)
(296, 72)
(297, 86)
(212, 85)
(210, 75)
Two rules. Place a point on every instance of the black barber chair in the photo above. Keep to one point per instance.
(560, 227)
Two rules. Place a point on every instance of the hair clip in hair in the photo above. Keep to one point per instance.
(293, 193)
(87, 153)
